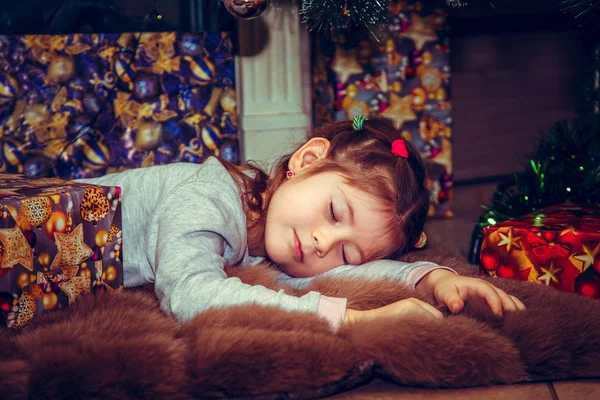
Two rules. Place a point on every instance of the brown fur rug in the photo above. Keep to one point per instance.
(119, 345)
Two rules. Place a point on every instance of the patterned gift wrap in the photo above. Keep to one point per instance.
(402, 75)
(58, 240)
(558, 246)
(85, 105)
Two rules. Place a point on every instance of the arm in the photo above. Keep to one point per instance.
(199, 229)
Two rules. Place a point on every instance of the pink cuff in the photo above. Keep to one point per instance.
(333, 309)
(414, 276)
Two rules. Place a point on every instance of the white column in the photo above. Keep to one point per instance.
(273, 84)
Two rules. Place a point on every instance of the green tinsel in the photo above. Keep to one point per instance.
(586, 12)
(341, 14)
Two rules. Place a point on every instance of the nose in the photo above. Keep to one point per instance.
(323, 242)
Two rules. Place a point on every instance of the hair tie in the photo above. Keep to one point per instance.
(358, 122)
(422, 241)
(399, 148)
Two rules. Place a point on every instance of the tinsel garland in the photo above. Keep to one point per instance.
(341, 14)
(586, 13)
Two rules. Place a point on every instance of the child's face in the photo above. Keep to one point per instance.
(303, 237)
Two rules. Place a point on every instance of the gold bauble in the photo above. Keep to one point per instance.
(228, 100)
(148, 136)
(101, 238)
(56, 223)
(23, 280)
(44, 259)
(49, 300)
(418, 96)
(36, 209)
(440, 94)
(85, 273)
(55, 198)
(61, 68)
(20, 219)
(351, 90)
(111, 273)
(427, 58)
(396, 87)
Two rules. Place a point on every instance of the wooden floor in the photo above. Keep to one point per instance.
(456, 233)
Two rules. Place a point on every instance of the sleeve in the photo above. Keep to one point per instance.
(407, 273)
(195, 229)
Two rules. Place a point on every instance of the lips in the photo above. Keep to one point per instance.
(298, 254)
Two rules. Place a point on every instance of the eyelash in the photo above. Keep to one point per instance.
(336, 220)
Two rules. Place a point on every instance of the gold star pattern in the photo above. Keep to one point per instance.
(75, 287)
(400, 110)
(508, 241)
(72, 250)
(345, 64)
(549, 274)
(16, 249)
(583, 261)
(420, 32)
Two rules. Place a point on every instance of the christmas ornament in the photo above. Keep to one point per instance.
(56, 223)
(49, 300)
(72, 250)
(431, 79)
(26, 307)
(246, 9)
(345, 64)
(148, 135)
(420, 32)
(101, 238)
(96, 154)
(146, 86)
(489, 259)
(191, 45)
(400, 110)
(94, 205)
(36, 209)
(112, 233)
(61, 69)
(75, 287)
(16, 249)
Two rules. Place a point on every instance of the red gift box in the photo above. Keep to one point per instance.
(58, 240)
(557, 246)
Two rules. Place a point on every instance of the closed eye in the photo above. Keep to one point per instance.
(333, 217)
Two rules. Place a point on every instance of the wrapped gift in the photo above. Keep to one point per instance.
(558, 246)
(59, 239)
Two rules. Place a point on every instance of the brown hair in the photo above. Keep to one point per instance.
(365, 159)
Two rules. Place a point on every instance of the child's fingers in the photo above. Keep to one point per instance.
(519, 303)
(508, 302)
(491, 296)
(452, 299)
(430, 309)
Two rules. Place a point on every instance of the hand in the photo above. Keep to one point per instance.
(453, 290)
(400, 308)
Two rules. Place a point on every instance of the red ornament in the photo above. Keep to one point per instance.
(597, 263)
(550, 236)
(489, 259)
(507, 271)
(589, 289)
(410, 72)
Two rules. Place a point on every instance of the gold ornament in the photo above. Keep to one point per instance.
(356, 108)
(75, 287)
(431, 79)
(44, 259)
(440, 94)
(418, 96)
(427, 58)
(420, 32)
(149, 135)
(20, 219)
(26, 311)
(345, 64)
(396, 87)
(111, 273)
(101, 238)
(112, 232)
(36, 291)
(86, 273)
(56, 223)
(94, 205)
(16, 249)
(72, 250)
(400, 110)
(61, 69)
(36, 209)
(49, 300)
(23, 280)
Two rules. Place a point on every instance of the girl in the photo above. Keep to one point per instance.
(351, 194)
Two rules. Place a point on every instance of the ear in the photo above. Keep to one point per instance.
(315, 149)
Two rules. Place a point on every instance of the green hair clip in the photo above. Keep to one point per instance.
(358, 122)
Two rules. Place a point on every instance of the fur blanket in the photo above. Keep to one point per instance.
(120, 346)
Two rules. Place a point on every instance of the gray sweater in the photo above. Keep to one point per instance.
(183, 223)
